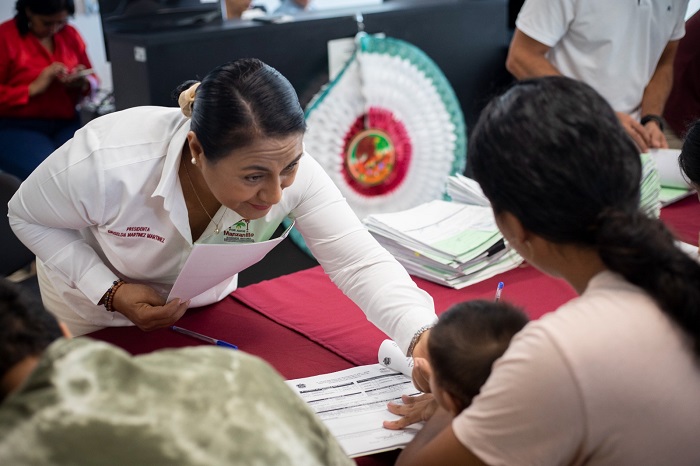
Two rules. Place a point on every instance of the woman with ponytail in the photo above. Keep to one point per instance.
(114, 213)
(613, 376)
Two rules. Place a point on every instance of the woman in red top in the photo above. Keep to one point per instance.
(41, 57)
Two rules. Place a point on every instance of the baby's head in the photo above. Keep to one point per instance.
(463, 346)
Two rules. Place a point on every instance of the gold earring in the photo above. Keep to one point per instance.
(193, 160)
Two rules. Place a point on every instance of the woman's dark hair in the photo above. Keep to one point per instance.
(26, 329)
(689, 160)
(40, 7)
(242, 101)
(466, 341)
(552, 152)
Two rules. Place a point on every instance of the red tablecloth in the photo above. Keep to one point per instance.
(288, 300)
(683, 218)
(308, 302)
(303, 325)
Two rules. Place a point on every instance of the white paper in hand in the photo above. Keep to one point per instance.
(670, 175)
(391, 356)
(210, 264)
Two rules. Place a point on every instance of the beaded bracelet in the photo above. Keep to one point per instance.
(109, 296)
(416, 336)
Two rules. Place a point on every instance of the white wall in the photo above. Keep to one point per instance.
(693, 6)
(7, 9)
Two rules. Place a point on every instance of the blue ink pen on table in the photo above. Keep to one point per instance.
(199, 336)
(499, 288)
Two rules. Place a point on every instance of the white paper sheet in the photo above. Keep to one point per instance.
(666, 161)
(210, 264)
(352, 404)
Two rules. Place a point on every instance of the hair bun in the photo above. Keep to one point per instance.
(186, 99)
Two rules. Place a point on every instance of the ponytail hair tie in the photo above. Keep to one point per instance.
(186, 100)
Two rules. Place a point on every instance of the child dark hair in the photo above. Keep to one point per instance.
(571, 175)
(26, 328)
(239, 102)
(466, 341)
(40, 7)
(689, 160)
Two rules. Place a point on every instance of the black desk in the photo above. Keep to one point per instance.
(467, 39)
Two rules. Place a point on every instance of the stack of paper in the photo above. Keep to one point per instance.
(465, 190)
(450, 243)
(662, 183)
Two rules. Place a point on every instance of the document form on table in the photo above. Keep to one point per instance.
(210, 264)
(352, 404)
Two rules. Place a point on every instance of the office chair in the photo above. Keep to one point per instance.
(13, 255)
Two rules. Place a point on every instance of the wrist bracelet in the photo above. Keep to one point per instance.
(109, 296)
(416, 337)
(655, 118)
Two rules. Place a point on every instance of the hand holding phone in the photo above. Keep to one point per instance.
(79, 74)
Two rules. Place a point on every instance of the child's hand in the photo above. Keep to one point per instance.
(413, 409)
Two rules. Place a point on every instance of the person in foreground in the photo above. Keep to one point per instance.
(41, 57)
(113, 214)
(79, 401)
(613, 376)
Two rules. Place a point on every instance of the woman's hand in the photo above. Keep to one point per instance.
(142, 305)
(73, 80)
(46, 77)
(414, 409)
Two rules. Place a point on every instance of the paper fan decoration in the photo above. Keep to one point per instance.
(388, 129)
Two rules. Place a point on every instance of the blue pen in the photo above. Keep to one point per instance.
(199, 336)
(498, 291)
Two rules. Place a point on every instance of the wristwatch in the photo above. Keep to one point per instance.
(656, 118)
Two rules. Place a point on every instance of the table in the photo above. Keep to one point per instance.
(303, 325)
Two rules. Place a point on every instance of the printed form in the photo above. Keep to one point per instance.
(352, 404)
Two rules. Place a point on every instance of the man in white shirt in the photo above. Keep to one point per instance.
(623, 49)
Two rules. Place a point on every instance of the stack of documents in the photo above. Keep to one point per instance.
(465, 190)
(450, 243)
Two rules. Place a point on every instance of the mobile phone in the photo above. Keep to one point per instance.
(80, 73)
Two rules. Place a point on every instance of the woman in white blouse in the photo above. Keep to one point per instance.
(113, 214)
